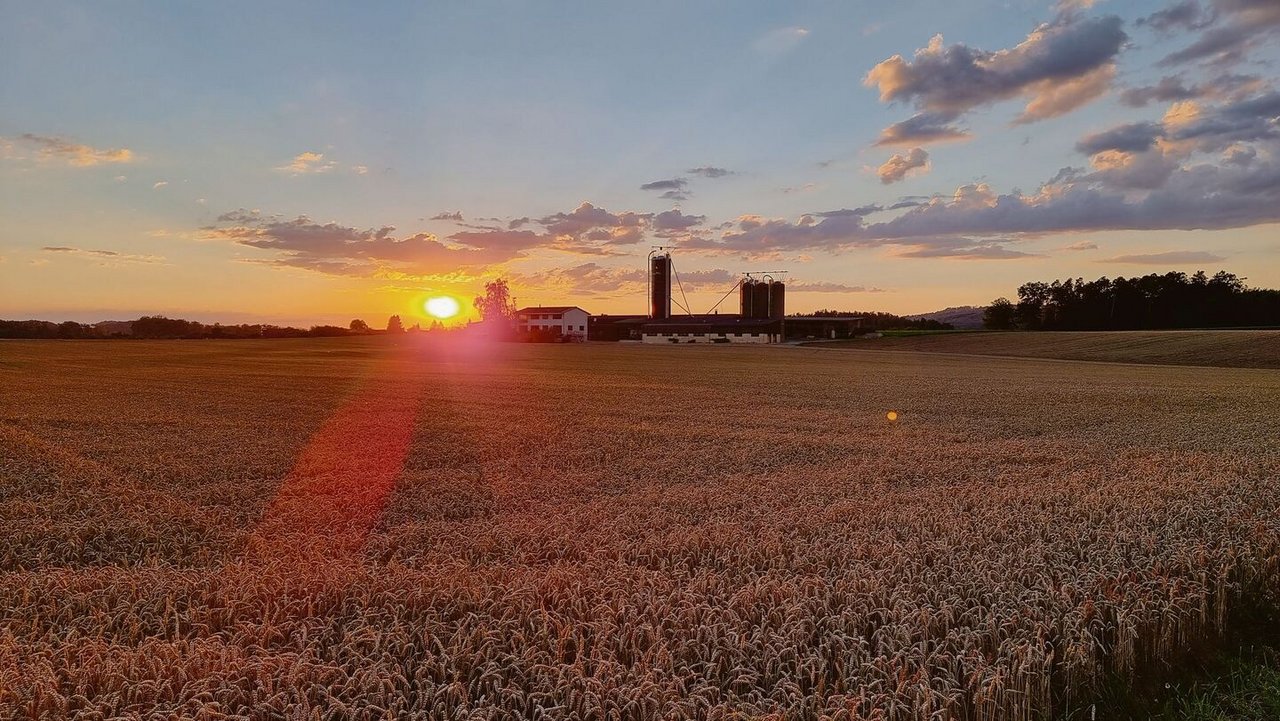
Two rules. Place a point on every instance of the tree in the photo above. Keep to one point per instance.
(999, 315)
(394, 325)
(496, 305)
(359, 326)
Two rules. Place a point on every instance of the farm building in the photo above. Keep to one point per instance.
(761, 318)
(566, 321)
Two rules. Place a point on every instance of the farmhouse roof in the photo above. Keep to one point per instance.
(549, 309)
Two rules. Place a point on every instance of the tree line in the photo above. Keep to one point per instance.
(162, 327)
(1151, 302)
(875, 320)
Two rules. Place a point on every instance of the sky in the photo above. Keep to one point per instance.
(315, 162)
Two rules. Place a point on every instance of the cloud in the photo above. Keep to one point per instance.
(669, 184)
(923, 128)
(52, 149)
(108, 257)
(159, 184)
(454, 216)
(1169, 88)
(708, 171)
(308, 162)
(1133, 137)
(828, 287)
(343, 250)
(780, 40)
(1187, 15)
(1173, 257)
(1081, 245)
(1234, 28)
(897, 167)
(360, 169)
(1060, 66)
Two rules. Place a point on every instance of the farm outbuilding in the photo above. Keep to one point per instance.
(566, 321)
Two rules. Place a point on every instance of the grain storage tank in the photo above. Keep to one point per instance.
(660, 287)
(777, 300)
(760, 300)
(746, 295)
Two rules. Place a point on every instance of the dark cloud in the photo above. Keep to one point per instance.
(676, 220)
(1186, 15)
(923, 128)
(1169, 88)
(1239, 24)
(1060, 66)
(708, 171)
(897, 167)
(455, 216)
(669, 184)
(846, 212)
(1132, 138)
(675, 195)
(343, 250)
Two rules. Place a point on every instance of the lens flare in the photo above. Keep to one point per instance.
(442, 307)
(892, 416)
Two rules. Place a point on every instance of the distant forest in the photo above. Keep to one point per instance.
(874, 320)
(160, 327)
(1152, 302)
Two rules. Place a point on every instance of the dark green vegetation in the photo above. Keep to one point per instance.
(1152, 302)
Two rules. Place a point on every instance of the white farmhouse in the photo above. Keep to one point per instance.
(566, 321)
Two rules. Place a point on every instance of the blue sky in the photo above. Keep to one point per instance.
(335, 122)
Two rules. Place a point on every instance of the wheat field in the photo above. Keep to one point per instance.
(1222, 348)
(357, 529)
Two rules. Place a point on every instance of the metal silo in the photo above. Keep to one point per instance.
(777, 300)
(660, 287)
(760, 300)
(746, 295)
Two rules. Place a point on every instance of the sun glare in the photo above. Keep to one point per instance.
(442, 307)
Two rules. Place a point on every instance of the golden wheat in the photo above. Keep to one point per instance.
(606, 532)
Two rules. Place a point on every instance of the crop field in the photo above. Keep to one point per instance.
(1225, 348)
(354, 529)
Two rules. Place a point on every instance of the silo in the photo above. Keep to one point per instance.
(760, 300)
(660, 287)
(777, 300)
(746, 295)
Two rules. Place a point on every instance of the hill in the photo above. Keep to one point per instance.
(961, 317)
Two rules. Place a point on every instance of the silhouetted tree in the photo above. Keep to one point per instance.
(999, 315)
(394, 325)
(496, 306)
(359, 326)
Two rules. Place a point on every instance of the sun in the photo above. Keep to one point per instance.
(442, 307)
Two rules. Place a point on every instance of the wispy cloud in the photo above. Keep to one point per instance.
(50, 149)
(1172, 257)
(308, 162)
(107, 256)
(780, 40)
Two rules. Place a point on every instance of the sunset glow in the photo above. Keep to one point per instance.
(442, 307)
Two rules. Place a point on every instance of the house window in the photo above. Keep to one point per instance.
(737, 335)
(700, 335)
(582, 327)
(755, 335)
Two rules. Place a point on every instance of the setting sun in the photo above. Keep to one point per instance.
(442, 307)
